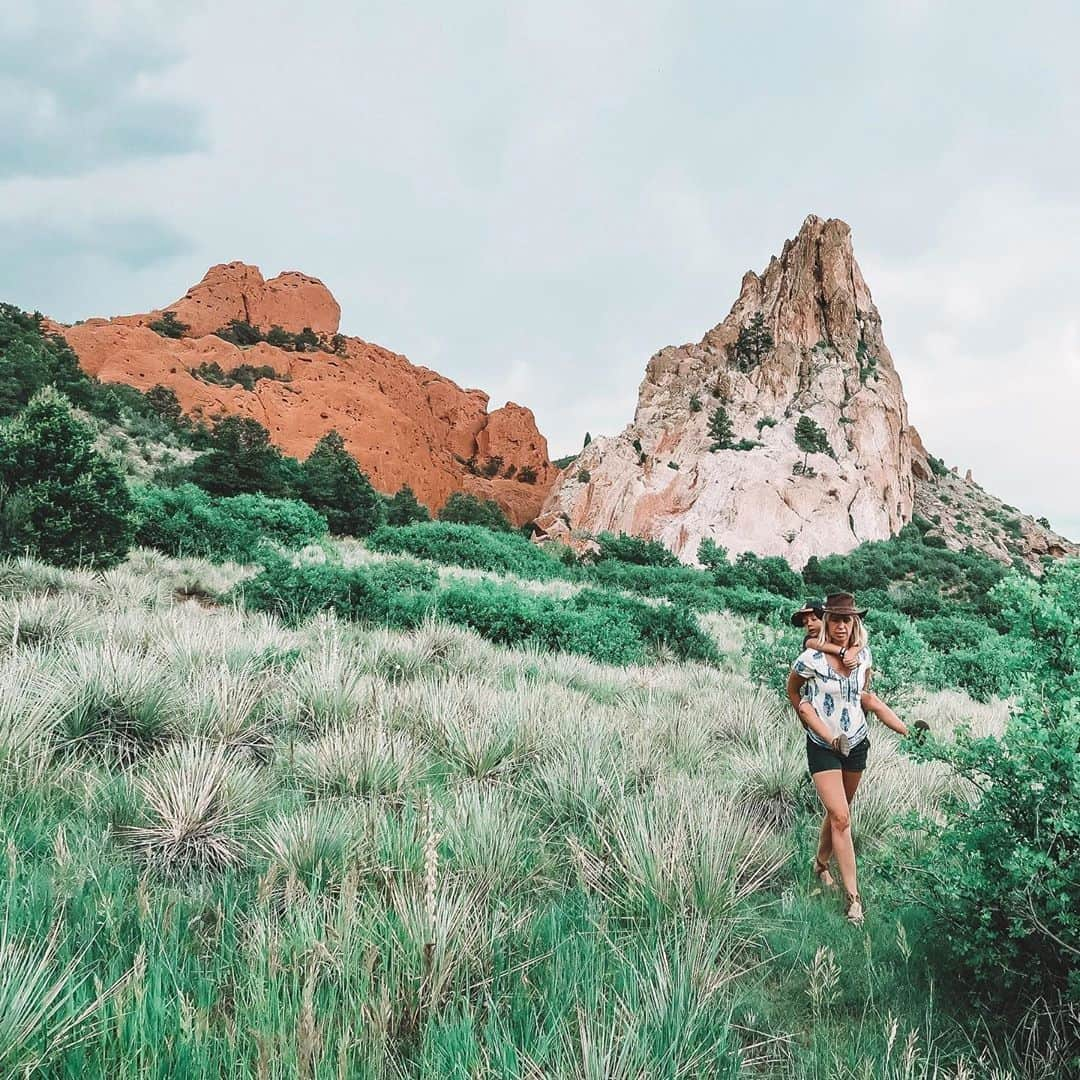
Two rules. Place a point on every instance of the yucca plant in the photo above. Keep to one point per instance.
(43, 619)
(118, 703)
(359, 761)
(315, 845)
(29, 711)
(328, 689)
(232, 708)
(199, 803)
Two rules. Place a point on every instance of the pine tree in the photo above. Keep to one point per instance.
(404, 508)
(588, 439)
(332, 483)
(810, 438)
(242, 459)
(59, 498)
(753, 344)
(721, 429)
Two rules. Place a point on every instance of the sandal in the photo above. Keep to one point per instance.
(821, 872)
(854, 909)
(841, 745)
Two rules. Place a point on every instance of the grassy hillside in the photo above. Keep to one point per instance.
(235, 848)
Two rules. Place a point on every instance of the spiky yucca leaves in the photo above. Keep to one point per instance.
(120, 703)
(199, 803)
(360, 761)
(481, 734)
(316, 845)
(42, 619)
(231, 708)
(328, 689)
(38, 1002)
(29, 711)
(767, 774)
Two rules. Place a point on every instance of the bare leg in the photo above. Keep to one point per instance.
(825, 847)
(831, 791)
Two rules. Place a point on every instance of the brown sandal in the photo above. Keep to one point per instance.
(821, 872)
(854, 909)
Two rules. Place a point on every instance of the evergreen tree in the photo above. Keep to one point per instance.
(243, 460)
(588, 438)
(169, 325)
(59, 498)
(163, 401)
(404, 508)
(810, 438)
(721, 429)
(753, 344)
(332, 483)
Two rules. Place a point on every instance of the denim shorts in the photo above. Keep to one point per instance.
(822, 759)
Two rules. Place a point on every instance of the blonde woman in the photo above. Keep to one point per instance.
(827, 693)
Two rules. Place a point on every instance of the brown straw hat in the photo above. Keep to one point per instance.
(842, 603)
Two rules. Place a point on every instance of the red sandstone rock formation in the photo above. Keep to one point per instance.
(404, 424)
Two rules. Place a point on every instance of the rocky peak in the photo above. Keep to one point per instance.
(822, 355)
(403, 423)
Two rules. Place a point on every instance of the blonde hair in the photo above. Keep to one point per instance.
(859, 636)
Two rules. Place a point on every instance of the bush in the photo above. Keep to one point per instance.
(242, 460)
(332, 482)
(186, 521)
(169, 325)
(59, 499)
(466, 509)
(468, 545)
(240, 333)
(634, 549)
(1001, 876)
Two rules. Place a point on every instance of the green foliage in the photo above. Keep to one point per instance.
(466, 509)
(240, 332)
(1044, 522)
(810, 438)
(526, 474)
(720, 429)
(245, 375)
(242, 459)
(868, 362)
(765, 422)
(746, 444)
(1002, 874)
(695, 403)
(768, 573)
(563, 462)
(332, 482)
(634, 549)
(186, 521)
(59, 499)
(473, 546)
(403, 508)
(169, 325)
(753, 344)
(164, 402)
(583, 476)
(588, 439)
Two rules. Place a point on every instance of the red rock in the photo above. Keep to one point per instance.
(405, 424)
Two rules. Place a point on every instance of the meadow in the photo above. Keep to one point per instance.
(238, 848)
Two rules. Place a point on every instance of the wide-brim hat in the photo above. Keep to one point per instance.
(815, 606)
(842, 603)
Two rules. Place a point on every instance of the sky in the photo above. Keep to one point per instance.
(532, 198)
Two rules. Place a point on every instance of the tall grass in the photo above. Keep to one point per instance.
(232, 848)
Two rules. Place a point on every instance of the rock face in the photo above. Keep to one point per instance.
(827, 361)
(404, 424)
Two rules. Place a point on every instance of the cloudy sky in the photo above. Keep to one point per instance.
(533, 197)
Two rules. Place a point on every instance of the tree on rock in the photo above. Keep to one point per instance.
(753, 344)
(810, 438)
(59, 498)
(332, 483)
(242, 459)
(721, 429)
(404, 508)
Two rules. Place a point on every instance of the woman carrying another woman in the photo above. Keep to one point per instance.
(829, 689)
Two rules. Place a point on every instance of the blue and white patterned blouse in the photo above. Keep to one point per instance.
(835, 697)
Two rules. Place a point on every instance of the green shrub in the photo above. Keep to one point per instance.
(240, 332)
(753, 344)
(468, 545)
(242, 459)
(1002, 873)
(634, 549)
(186, 521)
(466, 509)
(721, 429)
(169, 325)
(60, 500)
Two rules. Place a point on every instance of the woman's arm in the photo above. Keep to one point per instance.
(873, 704)
(806, 712)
